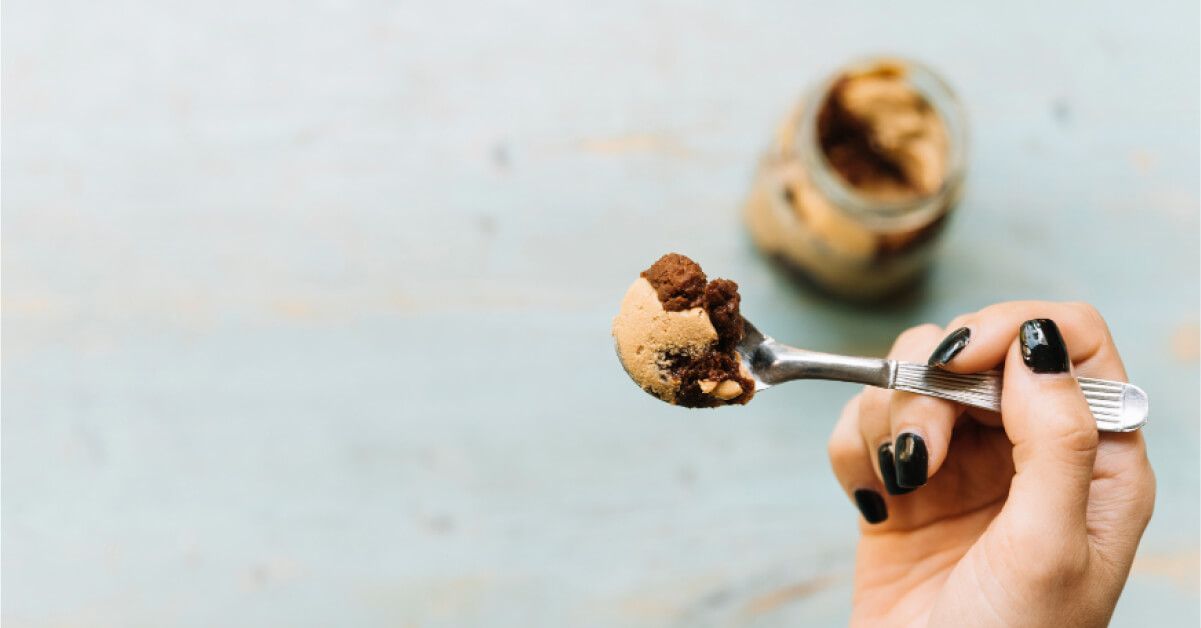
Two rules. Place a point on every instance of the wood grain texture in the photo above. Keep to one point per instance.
(306, 306)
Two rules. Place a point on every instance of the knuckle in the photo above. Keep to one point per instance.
(844, 439)
(1085, 308)
(1068, 423)
(919, 332)
(959, 321)
(833, 448)
(911, 410)
(842, 446)
(998, 310)
(1078, 438)
(1076, 444)
(874, 404)
(915, 340)
(1092, 316)
(851, 406)
(842, 450)
(1096, 340)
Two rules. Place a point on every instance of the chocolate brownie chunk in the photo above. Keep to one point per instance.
(679, 282)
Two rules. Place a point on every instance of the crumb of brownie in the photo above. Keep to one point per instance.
(679, 282)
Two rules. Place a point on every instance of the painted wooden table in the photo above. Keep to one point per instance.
(306, 306)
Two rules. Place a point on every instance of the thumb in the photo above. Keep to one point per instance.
(1053, 433)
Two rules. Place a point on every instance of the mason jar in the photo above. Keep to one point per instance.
(858, 184)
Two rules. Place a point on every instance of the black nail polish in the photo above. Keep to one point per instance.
(871, 505)
(888, 471)
(950, 347)
(1043, 349)
(912, 460)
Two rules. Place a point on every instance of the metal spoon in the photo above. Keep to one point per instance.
(1117, 406)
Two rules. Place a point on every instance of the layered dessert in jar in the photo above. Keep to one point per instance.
(860, 179)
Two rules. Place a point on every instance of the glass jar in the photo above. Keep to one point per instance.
(858, 184)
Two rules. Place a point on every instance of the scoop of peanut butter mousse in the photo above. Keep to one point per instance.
(676, 335)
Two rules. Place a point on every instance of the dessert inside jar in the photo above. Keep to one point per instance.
(860, 179)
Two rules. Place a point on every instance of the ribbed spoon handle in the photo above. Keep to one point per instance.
(1116, 406)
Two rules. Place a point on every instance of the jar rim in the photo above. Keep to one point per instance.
(885, 214)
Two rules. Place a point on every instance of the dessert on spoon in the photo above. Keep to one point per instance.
(683, 339)
(677, 334)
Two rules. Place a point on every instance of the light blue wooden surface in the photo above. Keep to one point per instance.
(306, 305)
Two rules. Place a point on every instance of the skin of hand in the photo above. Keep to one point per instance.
(1026, 518)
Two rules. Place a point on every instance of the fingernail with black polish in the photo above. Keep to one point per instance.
(888, 470)
(912, 460)
(871, 505)
(1043, 349)
(950, 347)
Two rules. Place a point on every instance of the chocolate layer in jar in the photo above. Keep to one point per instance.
(858, 184)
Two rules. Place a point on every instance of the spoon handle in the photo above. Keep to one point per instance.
(1116, 406)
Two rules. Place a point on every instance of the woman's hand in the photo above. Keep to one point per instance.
(1027, 518)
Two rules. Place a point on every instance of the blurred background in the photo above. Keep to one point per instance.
(306, 305)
